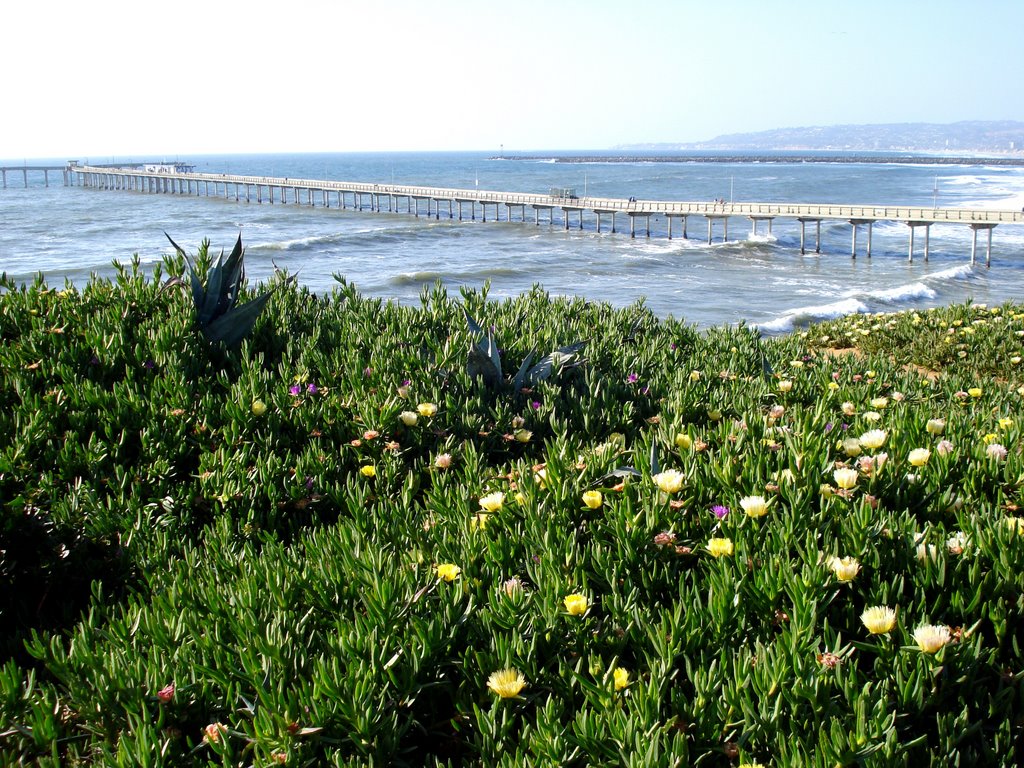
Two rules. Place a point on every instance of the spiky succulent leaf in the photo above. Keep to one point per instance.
(484, 358)
(520, 380)
(556, 361)
(618, 475)
(198, 292)
(233, 326)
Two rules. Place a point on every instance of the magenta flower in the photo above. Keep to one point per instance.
(312, 389)
(295, 390)
(535, 405)
(720, 511)
(632, 378)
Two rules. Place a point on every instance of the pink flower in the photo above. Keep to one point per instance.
(943, 447)
(665, 538)
(996, 451)
(166, 693)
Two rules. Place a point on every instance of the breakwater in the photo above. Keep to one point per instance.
(1016, 161)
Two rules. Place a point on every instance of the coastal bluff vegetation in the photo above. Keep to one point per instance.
(259, 526)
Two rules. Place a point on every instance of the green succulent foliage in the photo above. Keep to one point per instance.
(220, 317)
(195, 569)
(485, 360)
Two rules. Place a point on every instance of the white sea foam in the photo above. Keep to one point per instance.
(812, 314)
(952, 273)
(902, 293)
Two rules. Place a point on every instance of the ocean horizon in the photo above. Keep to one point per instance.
(69, 233)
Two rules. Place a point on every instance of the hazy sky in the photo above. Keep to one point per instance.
(136, 78)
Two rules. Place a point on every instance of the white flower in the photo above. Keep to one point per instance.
(873, 439)
(931, 637)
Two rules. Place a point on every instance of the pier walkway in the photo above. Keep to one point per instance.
(463, 203)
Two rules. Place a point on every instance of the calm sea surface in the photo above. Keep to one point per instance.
(71, 232)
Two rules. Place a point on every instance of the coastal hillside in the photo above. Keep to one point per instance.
(966, 136)
(501, 531)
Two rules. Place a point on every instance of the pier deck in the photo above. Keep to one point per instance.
(307, 191)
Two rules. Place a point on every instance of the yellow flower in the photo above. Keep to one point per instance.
(1015, 524)
(845, 477)
(621, 678)
(873, 439)
(870, 374)
(974, 392)
(368, 470)
(848, 408)
(833, 386)
(670, 481)
(851, 446)
(719, 547)
(919, 457)
(258, 407)
(1005, 423)
(576, 604)
(694, 375)
(479, 521)
(845, 568)
(991, 437)
(523, 435)
(931, 637)
(593, 499)
(447, 571)
(683, 441)
(879, 402)
(879, 619)
(935, 426)
(714, 414)
(426, 409)
(754, 764)
(785, 385)
(754, 506)
(492, 502)
(507, 683)
(409, 418)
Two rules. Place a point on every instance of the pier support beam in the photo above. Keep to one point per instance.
(671, 216)
(913, 226)
(817, 235)
(753, 224)
(725, 226)
(853, 245)
(633, 215)
(974, 243)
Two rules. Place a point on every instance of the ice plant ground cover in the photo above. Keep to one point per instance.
(333, 546)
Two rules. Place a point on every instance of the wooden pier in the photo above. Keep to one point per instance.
(466, 203)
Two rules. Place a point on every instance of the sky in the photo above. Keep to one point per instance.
(155, 78)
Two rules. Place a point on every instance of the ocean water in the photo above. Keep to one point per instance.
(68, 233)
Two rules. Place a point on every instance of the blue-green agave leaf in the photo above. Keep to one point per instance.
(556, 361)
(484, 358)
(233, 326)
(520, 380)
(198, 292)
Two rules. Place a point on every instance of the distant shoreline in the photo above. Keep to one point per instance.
(759, 158)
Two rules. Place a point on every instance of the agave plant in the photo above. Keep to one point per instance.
(220, 317)
(485, 360)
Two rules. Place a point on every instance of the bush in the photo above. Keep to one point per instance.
(319, 547)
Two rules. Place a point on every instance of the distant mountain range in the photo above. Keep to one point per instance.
(972, 136)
